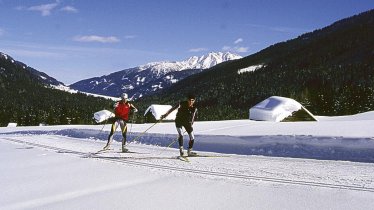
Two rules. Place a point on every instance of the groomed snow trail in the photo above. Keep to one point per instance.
(234, 168)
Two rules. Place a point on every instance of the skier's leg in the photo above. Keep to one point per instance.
(192, 140)
(190, 145)
(189, 130)
(124, 133)
(110, 137)
(180, 136)
(180, 140)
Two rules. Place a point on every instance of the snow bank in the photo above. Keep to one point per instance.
(325, 140)
(338, 138)
(356, 117)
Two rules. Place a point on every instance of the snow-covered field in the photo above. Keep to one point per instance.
(255, 165)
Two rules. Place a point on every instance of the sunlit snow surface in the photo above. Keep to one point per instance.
(258, 165)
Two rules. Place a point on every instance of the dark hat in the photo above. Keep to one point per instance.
(191, 96)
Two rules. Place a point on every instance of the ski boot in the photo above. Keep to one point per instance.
(190, 153)
(181, 151)
(106, 147)
(124, 149)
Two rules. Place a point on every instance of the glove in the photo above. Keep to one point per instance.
(135, 110)
(115, 105)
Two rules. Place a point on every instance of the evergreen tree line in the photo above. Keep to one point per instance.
(331, 91)
(25, 100)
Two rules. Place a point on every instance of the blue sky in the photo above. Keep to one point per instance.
(72, 40)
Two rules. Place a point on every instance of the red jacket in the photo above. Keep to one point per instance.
(122, 110)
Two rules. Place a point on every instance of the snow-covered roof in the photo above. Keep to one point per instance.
(102, 115)
(275, 108)
(157, 110)
(12, 124)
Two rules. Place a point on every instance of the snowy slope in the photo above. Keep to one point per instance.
(69, 90)
(260, 165)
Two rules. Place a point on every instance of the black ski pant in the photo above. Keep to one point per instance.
(189, 130)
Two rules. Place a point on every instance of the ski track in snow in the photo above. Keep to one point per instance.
(296, 146)
(234, 168)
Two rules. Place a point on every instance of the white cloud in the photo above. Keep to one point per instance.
(198, 50)
(69, 9)
(45, 9)
(238, 41)
(95, 38)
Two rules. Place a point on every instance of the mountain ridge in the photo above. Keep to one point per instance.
(38, 75)
(28, 98)
(149, 78)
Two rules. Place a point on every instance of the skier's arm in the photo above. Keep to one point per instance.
(115, 105)
(170, 111)
(133, 108)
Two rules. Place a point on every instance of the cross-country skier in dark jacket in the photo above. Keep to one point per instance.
(121, 110)
(185, 118)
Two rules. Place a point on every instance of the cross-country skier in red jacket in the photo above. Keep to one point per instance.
(121, 110)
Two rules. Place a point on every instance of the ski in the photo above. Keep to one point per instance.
(102, 151)
(183, 158)
(208, 156)
(130, 152)
(112, 151)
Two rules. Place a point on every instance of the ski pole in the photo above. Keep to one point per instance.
(102, 127)
(175, 140)
(172, 142)
(141, 134)
(132, 121)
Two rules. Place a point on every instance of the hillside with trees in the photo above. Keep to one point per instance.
(27, 99)
(330, 71)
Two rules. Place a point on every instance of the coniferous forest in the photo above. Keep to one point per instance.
(25, 100)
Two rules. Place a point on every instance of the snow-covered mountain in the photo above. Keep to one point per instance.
(194, 62)
(151, 77)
